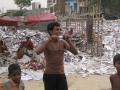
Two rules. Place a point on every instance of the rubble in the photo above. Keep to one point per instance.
(82, 63)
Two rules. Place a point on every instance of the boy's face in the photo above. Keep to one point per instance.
(16, 77)
(117, 66)
(56, 31)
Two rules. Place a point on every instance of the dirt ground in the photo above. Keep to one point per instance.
(76, 82)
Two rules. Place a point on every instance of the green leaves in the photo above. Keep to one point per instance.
(22, 3)
(18, 13)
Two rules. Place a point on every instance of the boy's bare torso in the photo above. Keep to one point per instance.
(54, 54)
(115, 82)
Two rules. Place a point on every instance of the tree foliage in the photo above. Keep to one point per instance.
(22, 3)
(18, 13)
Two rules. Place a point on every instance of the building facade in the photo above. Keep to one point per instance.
(56, 6)
(36, 5)
(70, 7)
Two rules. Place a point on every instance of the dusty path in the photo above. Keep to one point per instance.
(75, 82)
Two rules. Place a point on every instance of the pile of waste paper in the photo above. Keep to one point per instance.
(82, 63)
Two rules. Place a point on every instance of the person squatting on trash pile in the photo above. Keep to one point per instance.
(26, 48)
(54, 76)
(115, 78)
(4, 52)
(3, 48)
(14, 79)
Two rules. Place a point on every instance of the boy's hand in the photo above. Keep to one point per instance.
(67, 37)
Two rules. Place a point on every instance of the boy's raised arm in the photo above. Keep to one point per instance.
(41, 48)
(72, 48)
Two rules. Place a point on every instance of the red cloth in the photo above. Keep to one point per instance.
(7, 21)
(40, 18)
(29, 44)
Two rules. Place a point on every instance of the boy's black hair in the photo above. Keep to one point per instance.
(1, 42)
(51, 25)
(27, 37)
(13, 68)
(116, 59)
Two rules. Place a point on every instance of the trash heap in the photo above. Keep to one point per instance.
(82, 63)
